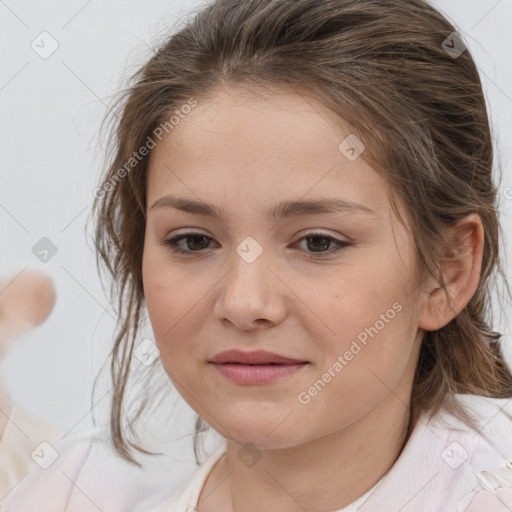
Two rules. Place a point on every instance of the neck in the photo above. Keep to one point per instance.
(301, 478)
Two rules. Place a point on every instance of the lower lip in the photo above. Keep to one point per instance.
(256, 374)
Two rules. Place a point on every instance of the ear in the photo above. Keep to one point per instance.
(461, 276)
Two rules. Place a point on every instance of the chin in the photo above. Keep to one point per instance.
(264, 433)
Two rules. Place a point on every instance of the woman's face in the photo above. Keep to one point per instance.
(327, 288)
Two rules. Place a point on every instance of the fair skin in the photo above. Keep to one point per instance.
(244, 153)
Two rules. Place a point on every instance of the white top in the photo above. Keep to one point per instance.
(445, 467)
(22, 435)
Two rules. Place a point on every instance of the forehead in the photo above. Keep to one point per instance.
(263, 144)
(271, 121)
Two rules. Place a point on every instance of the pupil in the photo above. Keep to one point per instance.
(323, 245)
(195, 239)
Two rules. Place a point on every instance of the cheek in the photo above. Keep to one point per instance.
(371, 318)
(175, 302)
(364, 302)
(386, 353)
(355, 376)
(164, 295)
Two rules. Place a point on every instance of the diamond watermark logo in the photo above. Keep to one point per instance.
(44, 455)
(45, 45)
(249, 455)
(146, 352)
(351, 147)
(454, 45)
(44, 250)
(454, 455)
(249, 249)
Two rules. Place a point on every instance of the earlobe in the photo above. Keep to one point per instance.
(461, 276)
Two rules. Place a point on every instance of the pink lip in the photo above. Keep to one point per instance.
(257, 367)
(254, 357)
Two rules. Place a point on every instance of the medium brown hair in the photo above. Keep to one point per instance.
(420, 111)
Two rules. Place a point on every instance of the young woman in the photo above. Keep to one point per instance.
(301, 196)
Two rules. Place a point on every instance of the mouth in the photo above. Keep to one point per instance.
(257, 367)
(257, 357)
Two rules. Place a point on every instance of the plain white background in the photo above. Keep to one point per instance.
(51, 110)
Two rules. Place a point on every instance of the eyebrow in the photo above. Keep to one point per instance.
(279, 211)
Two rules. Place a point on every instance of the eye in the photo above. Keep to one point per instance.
(316, 243)
(197, 242)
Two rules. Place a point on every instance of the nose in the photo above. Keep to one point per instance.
(252, 294)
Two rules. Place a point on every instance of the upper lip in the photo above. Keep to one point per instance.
(254, 357)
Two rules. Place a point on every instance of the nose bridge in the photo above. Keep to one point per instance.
(249, 290)
(250, 267)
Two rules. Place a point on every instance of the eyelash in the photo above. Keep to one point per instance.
(172, 243)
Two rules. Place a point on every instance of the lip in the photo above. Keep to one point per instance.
(256, 367)
(258, 357)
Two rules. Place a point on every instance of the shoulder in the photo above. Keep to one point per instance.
(451, 466)
(51, 479)
(489, 441)
(83, 473)
(486, 450)
(18, 446)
